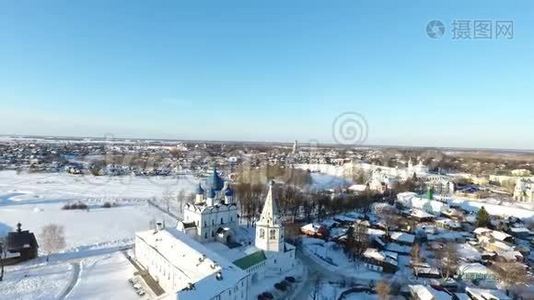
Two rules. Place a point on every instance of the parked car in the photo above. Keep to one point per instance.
(290, 279)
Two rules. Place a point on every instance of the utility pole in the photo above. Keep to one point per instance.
(2, 257)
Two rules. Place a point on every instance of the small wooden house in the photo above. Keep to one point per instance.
(22, 242)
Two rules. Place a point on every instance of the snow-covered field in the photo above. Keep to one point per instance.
(104, 277)
(41, 281)
(91, 265)
(323, 181)
(82, 228)
(46, 187)
(36, 200)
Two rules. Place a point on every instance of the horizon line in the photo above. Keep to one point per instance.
(335, 145)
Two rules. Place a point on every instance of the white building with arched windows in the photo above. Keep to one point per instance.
(213, 214)
(202, 258)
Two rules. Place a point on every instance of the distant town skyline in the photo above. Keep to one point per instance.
(273, 71)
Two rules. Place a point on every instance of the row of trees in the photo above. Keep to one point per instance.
(261, 175)
(297, 203)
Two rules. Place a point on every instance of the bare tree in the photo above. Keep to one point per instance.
(52, 238)
(389, 216)
(180, 199)
(360, 238)
(511, 273)
(416, 256)
(416, 253)
(383, 289)
(448, 259)
(167, 196)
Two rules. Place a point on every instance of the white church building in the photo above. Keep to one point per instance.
(202, 259)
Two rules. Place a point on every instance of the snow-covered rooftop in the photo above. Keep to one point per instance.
(474, 268)
(197, 262)
(481, 230)
(487, 294)
(499, 235)
(428, 293)
(418, 213)
(402, 237)
(384, 256)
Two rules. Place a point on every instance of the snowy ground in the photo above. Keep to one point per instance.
(331, 256)
(91, 265)
(333, 291)
(83, 228)
(36, 200)
(270, 278)
(321, 181)
(63, 186)
(41, 281)
(104, 277)
(498, 208)
(97, 277)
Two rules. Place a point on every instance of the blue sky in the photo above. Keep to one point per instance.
(266, 71)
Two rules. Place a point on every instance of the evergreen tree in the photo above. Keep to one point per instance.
(483, 218)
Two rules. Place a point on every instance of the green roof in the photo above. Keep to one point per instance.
(250, 260)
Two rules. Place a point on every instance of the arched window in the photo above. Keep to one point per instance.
(272, 234)
(205, 235)
(262, 233)
(212, 234)
(222, 221)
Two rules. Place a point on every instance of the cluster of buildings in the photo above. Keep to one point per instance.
(208, 255)
(16, 155)
(432, 226)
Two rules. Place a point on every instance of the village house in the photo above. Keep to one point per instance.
(22, 243)
(402, 238)
(420, 215)
(314, 230)
(521, 232)
(453, 213)
(424, 270)
(448, 224)
(485, 294)
(475, 272)
(422, 292)
(381, 261)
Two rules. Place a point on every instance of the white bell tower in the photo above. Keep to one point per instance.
(269, 228)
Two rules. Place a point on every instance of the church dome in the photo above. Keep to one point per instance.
(211, 193)
(215, 182)
(200, 190)
(229, 192)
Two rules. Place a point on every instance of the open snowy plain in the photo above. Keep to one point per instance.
(92, 264)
